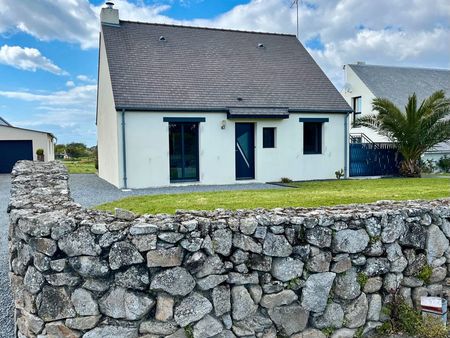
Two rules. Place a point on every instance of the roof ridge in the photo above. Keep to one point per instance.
(207, 28)
(400, 67)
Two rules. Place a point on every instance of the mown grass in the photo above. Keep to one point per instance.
(81, 166)
(306, 194)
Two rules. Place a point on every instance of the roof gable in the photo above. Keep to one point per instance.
(398, 83)
(213, 69)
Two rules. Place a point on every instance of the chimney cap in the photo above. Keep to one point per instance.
(109, 4)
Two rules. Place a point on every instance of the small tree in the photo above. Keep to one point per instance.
(76, 150)
(60, 148)
(415, 130)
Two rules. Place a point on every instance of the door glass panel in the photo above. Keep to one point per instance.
(190, 150)
(183, 139)
(176, 160)
(245, 151)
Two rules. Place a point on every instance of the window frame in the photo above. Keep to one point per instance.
(273, 142)
(354, 107)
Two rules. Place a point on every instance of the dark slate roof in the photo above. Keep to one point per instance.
(398, 83)
(3, 122)
(209, 69)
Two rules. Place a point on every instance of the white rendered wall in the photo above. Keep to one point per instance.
(358, 88)
(40, 140)
(147, 149)
(107, 136)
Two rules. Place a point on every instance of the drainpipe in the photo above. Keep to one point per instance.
(124, 151)
(346, 145)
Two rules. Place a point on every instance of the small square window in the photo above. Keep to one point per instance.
(268, 137)
(312, 137)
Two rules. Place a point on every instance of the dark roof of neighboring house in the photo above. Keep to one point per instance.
(3, 122)
(213, 69)
(398, 83)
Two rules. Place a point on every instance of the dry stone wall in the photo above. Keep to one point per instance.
(248, 273)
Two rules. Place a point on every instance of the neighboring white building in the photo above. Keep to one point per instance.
(211, 106)
(365, 82)
(21, 144)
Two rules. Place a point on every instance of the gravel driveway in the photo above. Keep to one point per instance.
(90, 190)
(6, 304)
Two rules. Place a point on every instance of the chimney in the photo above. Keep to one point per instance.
(109, 15)
(360, 63)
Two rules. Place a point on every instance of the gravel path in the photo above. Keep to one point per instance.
(6, 304)
(90, 190)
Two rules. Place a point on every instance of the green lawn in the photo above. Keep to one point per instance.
(307, 194)
(82, 166)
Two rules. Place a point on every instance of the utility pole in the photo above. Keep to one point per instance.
(295, 2)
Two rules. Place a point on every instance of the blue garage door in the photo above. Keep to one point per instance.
(13, 151)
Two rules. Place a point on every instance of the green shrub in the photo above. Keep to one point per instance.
(425, 274)
(293, 284)
(406, 319)
(444, 164)
(40, 152)
(189, 331)
(286, 180)
(328, 331)
(432, 327)
(362, 279)
(339, 174)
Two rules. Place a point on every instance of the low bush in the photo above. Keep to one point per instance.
(406, 319)
(444, 164)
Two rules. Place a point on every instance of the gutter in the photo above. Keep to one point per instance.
(227, 109)
(124, 151)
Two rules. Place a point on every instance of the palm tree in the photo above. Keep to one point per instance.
(415, 130)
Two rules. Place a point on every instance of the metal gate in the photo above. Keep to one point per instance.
(374, 159)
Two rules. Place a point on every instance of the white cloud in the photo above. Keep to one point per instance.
(400, 32)
(29, 59)
(85, 78)
(81, 96)
(70, 84)
(69, 114)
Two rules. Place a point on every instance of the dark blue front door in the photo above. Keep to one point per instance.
(13, 151)
(245, 151)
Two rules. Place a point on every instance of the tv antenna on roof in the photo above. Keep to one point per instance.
(295, 3)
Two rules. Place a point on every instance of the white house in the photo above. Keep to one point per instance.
(365, 82)
(181, 104)
(21, 144)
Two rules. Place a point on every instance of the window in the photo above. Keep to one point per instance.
(312, 137)
(356, 105)
(268, 137)
(184, 160)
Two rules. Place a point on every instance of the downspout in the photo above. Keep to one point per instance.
(346, 174)
(124, 151)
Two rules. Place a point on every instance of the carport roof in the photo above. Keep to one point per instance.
(168, 67)
(6, 124)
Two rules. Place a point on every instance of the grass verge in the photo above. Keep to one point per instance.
(82, 166)
(307, 194)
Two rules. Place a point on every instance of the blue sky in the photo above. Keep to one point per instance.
(48, 68)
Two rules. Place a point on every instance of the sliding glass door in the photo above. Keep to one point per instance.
(184, 163)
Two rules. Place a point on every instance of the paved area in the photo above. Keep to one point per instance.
(6, 305)
(90, 190)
